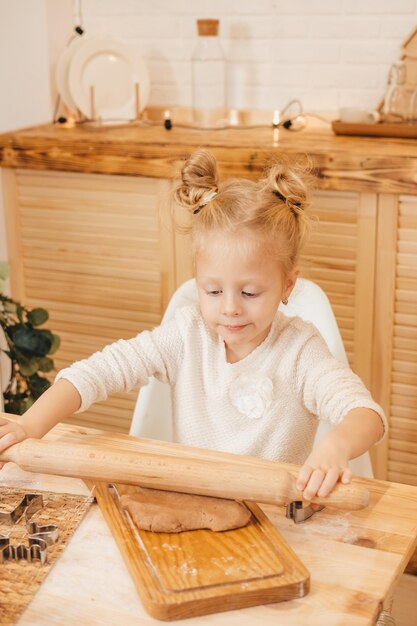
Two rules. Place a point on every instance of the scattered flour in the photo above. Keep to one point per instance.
(186, 569)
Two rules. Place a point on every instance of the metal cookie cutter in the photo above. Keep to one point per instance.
(39, 537)
(298, 513)
(36, 549)
(31, 503)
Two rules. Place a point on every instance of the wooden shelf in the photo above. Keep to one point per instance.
(340, 162)
(381, 129)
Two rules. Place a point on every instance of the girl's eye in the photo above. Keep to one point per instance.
(215, 292)
(250, 295)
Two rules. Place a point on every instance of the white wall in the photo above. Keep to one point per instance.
(328, 53)
(24, 81)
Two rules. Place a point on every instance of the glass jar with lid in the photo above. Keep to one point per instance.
(208, 76)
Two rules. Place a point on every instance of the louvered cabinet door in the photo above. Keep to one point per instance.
(91, 250)
(340, 257)
(402, 391)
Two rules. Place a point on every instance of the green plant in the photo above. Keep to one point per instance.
(28, 348)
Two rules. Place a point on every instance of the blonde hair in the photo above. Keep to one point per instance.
(272, 209)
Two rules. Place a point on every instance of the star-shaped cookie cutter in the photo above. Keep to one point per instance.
(31, 503)
(39, 537)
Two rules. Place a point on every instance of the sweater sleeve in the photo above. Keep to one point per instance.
(329, 388)
(123, 365)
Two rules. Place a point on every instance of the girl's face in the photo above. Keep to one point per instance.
(240, 288)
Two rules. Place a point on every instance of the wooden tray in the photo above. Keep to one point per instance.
(381, 129)
(179, 575)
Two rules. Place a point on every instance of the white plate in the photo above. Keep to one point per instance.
(113, 68)
(62, 70)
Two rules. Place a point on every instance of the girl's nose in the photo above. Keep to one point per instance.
(230, 306)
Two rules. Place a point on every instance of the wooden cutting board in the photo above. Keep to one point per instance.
(179, 575)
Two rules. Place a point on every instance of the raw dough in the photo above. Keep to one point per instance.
(172, 512)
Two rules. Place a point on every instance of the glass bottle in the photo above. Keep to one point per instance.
(208, 76)
(397, 97)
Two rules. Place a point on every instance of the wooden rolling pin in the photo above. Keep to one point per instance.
(116, 458)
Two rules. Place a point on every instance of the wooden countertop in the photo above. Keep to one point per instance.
(355, 560)
(340, 162)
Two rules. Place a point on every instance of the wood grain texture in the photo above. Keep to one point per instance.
(401, 446)
(339, 258)
(174, 467)
(365, 286)
(183, 575)
(342, 163)
(381, 129)
(93, 252)
(105, 269)
(383, 319)
(355, 560)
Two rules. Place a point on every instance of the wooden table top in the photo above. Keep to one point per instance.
(347, 163)
(355, 560)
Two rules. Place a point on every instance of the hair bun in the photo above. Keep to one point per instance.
(199, 180)
(289, 182)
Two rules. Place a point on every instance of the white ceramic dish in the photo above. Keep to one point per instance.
(113, 68)
(62, 70)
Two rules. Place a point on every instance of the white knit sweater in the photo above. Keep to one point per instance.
(265, 405)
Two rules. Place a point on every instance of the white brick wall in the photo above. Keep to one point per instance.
(328, 53)
(24, 78)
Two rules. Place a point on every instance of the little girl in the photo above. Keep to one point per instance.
(244, 377)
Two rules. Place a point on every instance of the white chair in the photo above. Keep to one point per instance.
(152, 414)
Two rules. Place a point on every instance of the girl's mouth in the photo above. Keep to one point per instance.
(235, 329)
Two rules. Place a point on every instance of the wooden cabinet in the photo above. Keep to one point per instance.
(401, 334)
(91, 248)
(364, 255)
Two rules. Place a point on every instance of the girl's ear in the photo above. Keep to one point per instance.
(290, 280)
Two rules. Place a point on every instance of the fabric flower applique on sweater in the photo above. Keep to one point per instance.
(251, 394)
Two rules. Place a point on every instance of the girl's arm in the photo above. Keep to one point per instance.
(330, 390)
(118, 367)
(360, 429)
(57, 403)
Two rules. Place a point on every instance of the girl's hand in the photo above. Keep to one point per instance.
(10, 433)
(324, 467)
